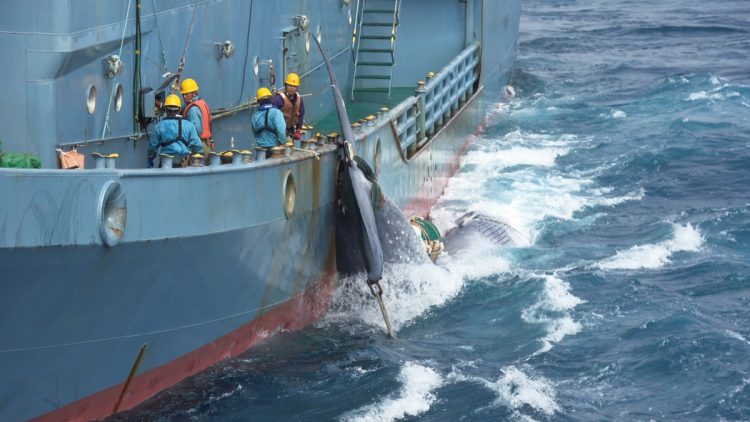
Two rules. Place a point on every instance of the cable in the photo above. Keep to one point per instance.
(181, 67)
(247, 52)
(158, 34)
(149, 333)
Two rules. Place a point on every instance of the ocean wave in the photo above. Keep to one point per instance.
(553, 310)
(409, 290)
(686, 30)
(516, 180)
(515, 156)
(703, 95)
(737, 336)
(415, 397)
(721, 89)
(617, 200)
(517, 390)
(685, 239)
(614, 114)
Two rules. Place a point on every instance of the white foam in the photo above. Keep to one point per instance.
(513, 156)
(516, 390)
(617, 200)
(682, 80)
(714, 94)
(685, 239)
(738, 389)
(414, 398)
(619, 114)
(735, 335)
(492, 183)
(409, 290)
(614, 114)
(553, 310)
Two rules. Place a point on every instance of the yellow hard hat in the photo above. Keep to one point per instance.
(173, 101)
(262, 93)
(292, 79)
(188, 86)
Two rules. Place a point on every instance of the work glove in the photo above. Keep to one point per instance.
(297, 134)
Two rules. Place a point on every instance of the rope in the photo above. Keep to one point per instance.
(114, 81)
(158, 34)
(247, 52)
(149, 333)
(181, 67)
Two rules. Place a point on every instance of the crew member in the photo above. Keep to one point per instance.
(173, 135)
(197, 111)
(269, 126)
(290, 103)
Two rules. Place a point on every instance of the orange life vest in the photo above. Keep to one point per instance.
(205, 117)
(291, 111)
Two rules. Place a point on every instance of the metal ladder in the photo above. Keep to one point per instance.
(374, 59)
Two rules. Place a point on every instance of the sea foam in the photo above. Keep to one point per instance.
(409, 290)
(553, 310)
(650, 256)
(414, 398)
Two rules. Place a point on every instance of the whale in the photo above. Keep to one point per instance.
(371, 230)
(399, 236)
(473, 225)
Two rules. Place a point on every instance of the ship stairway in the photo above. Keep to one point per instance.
(375, 41)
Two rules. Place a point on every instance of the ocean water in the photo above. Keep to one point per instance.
(624, 160)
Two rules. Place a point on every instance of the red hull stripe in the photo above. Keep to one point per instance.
(294, 314)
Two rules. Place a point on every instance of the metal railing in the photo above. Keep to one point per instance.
(416, 120)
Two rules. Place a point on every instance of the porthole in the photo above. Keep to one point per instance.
(91, 100)
(118, 97)
(112, 212)
(256, 66)
(376, 158)
(319, 34)
(290, 194)
(307, 42)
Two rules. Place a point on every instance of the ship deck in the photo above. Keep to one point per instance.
(362, 107)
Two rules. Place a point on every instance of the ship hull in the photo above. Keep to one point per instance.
(209, 261)
(192, 301)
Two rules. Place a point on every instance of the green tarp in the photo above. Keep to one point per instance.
(19, 160)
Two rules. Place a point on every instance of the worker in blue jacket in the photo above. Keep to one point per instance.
(174, 135)
(269, 126)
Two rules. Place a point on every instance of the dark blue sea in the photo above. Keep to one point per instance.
(624, 161)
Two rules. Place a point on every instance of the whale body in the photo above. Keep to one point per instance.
(473, 226)
(399, 240)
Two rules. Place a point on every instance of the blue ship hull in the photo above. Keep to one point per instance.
(117, 283)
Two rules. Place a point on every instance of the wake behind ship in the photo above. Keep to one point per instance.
(118, 280)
